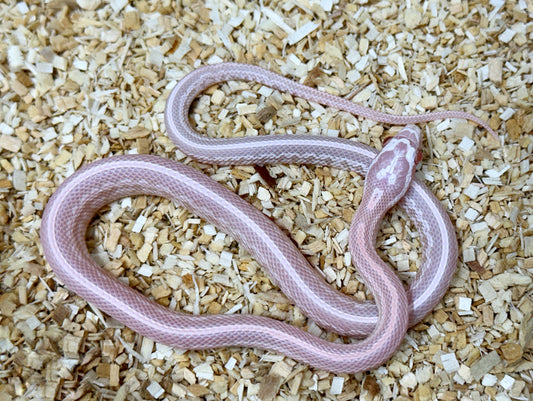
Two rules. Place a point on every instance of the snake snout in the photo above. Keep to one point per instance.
(412, 134)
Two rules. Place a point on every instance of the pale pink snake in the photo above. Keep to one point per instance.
(77, 200)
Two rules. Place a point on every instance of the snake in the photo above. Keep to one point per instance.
(374, 329)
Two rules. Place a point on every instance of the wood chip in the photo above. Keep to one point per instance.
(449, 362)
(11, 143)
(485, 365)
(265, 113)
(512, 352)
(269, 387)
(302, 32)
(198, 390)
(136, 132)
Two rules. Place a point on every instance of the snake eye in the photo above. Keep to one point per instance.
(419, 156)
(386, 140)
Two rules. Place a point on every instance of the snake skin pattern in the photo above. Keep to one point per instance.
(382, 324)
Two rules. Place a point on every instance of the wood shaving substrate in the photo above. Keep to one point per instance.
(84, 80)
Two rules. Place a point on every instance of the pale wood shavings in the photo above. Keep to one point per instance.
(83, 80)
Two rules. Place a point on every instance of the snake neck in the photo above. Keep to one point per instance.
(363, 231)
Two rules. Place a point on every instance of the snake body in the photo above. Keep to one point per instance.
(390, 181)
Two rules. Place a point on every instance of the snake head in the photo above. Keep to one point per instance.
(392, 171)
